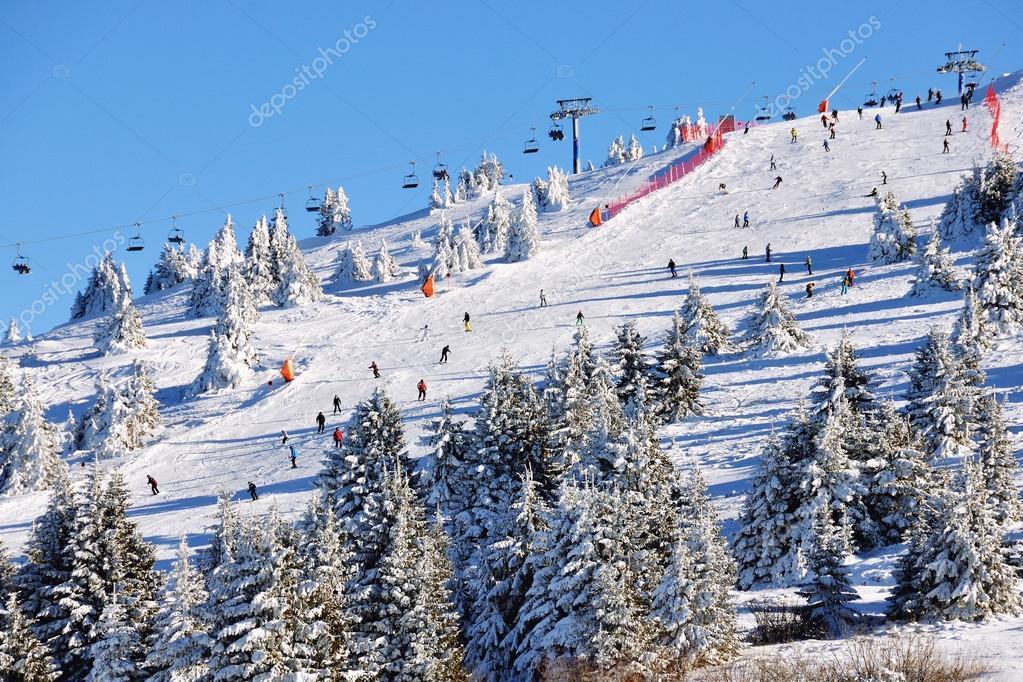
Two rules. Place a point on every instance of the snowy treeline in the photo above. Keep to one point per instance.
(851, 473)
(30, 446)
(486, 177)
(335, 214)
(107, 289)
(122, 417)
(618, 152)
(986, 196)
(175, 266)
(454, 253)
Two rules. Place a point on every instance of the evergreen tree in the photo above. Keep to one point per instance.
(385, 268)
(7, 389)
(297, 284)
(447, 442)
(259, 269)
(935, 269)
(970, 333)
(230, 356)
(523, 234)
(894, 237)
(445, 257)
(842, 376)
(335, 213)
(939, 399)
(173, 268)
(118, 652)
(22, 657)
(351, 266)
(122, 332)
(552, 194)
(772, 327)
(13, 335)
(998, 278)
(701, 327)
(634, 152)
(220, 257)
(468, 250)
(180, 647)
(616, 153)
(828, 591)
(107, 289)
(492, 233)
(29, 448)
(678, 378)
(997, 464)
(959, 218)
(996, 189)
(634, 370)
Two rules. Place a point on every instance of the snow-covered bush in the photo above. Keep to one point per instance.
(939, 398)
(996, 190)
(260, 271)
(107, 289)
(677, 377)
(615, 152)
(894, 236)
(959, 217)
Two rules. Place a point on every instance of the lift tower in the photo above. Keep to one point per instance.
(574, 109)
(962, 61)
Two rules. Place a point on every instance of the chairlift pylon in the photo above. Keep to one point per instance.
(763, 113)
(136, 243)
(312, 204)
(440, 171)
(649, 123)
(555, 132)
(531, 146)
(20, 264)
(176, 236)
(410, 181)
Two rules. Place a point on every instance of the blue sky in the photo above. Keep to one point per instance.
(118, 112)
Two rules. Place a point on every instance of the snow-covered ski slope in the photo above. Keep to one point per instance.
(612, 274)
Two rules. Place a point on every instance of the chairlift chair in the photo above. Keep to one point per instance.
(789, 115)
(312, 204)
(649, 123)
(531, 146)
(136, 243)
(555, 132)
(893, 93)
(20, 264)
(176, 236)
(871, 99)
(410, 181)
(284, 211)
(440, 171)
(763, 113)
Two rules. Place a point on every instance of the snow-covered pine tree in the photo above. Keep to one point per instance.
(436, 198)
(385, 268)
(959, 218)
(996, 463)
(441, 645)
(581, 606)
(252, 600)
(324, 637)
(297, 284)
(772, 328)
(500, 581)
(13, 335)
(467, 187)
(447, 442)
(939, 399)
(996, 188)
(599, 461)
(761, 541)
(29, 446)
(122, 331)
(702, 329)
(959, 571)
(335, 213)
(259, 269)
(492, 233)
(523, 233)
(842, 376)
(351, 266)
(489, 172)
(173, 268)
(7, 390)
(615, 152)
(935, 269)
(633, 367)
(894, 236)
(970, 334)
(221, 255)
(445, 258)
(828, 591)
(998, 278)
(677, 376)
(118, 653)
(230, 355)
(107, 289)
(23, 658)
(180, 646)
(468, 250)
(556, 196)
(634, 152)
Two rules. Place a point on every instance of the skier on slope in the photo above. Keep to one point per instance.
(774, 166)
(831, 131)
(781, 272)
(809, 289)
(918, 105)
(850, 275)
(320, 421)
(252, 491)
(422, 390)
(671, 267)
(294, 456)
(284, 437)
(444, 352)
(767, 252)
(794, 135)
(745, 252)
(964, 124)
(745, 219)
(543, 299)
(338, 437)
(152, 484)
(337, 404)
(466, 321)
(859, 112)
(877, 121)
(937, 97)
(777, 182)
(948, 127)
(737, 220)
(809, 266)
(884, 178)
(376, 370)
(826, 147)
(579, 319)
(873, 193)
(425, 333)
(944, 146)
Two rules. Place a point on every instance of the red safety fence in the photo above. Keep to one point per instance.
(660, 179)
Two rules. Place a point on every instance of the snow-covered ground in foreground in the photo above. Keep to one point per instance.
(612, 274)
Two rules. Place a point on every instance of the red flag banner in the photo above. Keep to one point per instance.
(823, 107)
(995, 108)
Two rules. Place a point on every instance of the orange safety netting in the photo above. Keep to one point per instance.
(427, 287)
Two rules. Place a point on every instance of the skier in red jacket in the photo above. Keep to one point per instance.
(422, 389)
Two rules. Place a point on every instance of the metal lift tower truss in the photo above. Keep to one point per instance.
(960, 62)
(574, 109)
